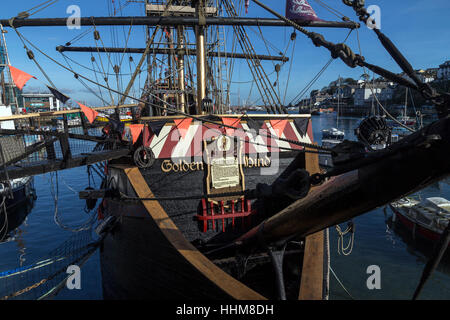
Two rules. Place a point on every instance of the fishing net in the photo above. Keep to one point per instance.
(46, 277)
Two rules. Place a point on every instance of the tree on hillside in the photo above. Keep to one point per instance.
(350, 81)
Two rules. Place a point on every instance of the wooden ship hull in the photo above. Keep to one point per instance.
(160, 249)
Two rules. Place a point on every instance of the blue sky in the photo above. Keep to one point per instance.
(419, 28)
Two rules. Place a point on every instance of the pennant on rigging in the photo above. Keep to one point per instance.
(300, 10)
(58, 95)
(20, 77)
(183, 126)
(254, 124)
(302, 125)
(278, 126)
(88, 112)
(136, 130)
(156, 126)
(232, 122)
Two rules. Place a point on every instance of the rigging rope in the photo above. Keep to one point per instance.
(340, 283)
(299, 96)
(87, 225)
(3, 210)
(268, 134)
(375, 96)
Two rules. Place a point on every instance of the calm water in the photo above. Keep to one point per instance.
(377, 242)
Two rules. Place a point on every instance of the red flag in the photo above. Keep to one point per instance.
(20, 77)
(247, 3)
(88, 112)
(183, 125)
(232, 122)
(300, 10)
(278, 126)
(136, 130)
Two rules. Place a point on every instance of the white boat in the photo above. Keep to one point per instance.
(333, 134)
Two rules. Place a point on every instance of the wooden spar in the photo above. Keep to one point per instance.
(167, 51)
(220, 278)
(57, 113)
(311, 284)
(173, 21)
(49, 166)
(409, 165)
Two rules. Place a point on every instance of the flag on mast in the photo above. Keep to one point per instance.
(300, 10)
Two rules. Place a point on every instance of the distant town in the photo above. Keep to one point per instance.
(361, 97)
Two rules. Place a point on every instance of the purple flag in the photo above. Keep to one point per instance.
(300, 10)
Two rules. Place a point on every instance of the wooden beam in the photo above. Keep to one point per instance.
(57, 113)
(42, 167)
(223, 280)
(181, 10)
(311, 284)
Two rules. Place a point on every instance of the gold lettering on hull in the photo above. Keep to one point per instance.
(185, 166)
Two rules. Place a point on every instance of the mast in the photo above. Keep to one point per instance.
(180, 67)
(201, 57)
(149, 62)
(11, 86)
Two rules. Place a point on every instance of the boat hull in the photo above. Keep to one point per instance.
(140, 261)
(416, 228)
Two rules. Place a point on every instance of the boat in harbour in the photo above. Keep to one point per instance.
(333, 134)
(426, 218)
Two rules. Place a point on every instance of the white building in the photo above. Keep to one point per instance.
(386, 93)
(443, 72)
(364, 94)
(424, 75)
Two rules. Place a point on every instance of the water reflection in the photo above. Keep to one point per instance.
(16, 216)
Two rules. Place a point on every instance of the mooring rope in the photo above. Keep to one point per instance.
(340, 283)
(347, 250)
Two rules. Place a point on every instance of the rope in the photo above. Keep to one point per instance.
(38, 8)
(268, 134)
(289, 73)
(333, 11)
(375, 96)
(347, 250)
(341, 284)
(299, 96)
(4, 228)
(84, 226)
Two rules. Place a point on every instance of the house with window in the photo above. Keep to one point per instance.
(443, 72)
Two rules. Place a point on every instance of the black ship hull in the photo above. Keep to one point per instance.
(139, 260)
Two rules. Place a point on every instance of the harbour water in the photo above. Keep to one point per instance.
(377, 241)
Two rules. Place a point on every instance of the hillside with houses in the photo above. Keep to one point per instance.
(362, 97)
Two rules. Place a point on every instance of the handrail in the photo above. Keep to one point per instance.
(55, 113)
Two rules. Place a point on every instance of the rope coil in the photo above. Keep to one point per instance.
(345, 250)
